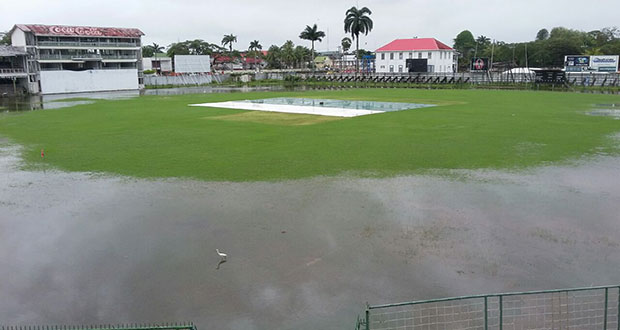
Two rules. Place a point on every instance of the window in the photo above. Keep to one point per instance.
(431, 68)
(400, 68)
(383, 56)
(391, 56)
(419, 55)
(400, 56)
(391, 68)
(410, 55)
(383, 67)
(430, 55)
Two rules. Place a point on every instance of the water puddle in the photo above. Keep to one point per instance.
(302, 254)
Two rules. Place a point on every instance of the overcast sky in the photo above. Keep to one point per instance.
(275, 21)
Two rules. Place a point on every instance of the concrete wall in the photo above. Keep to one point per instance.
(18, 38)
(177, 80)
(54, 82)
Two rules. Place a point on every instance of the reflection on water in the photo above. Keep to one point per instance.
(40, 102)
(78, 248)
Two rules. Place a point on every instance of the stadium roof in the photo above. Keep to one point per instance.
(86, 31)
(414, 44)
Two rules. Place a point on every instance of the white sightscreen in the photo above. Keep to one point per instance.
(192, 63)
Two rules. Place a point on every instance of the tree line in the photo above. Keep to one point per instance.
(288, 55)
(546, 50)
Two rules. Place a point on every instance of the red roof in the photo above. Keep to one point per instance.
(88, 31)
(414, 44)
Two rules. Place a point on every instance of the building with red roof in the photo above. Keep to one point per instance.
(69, 59)
(416, 55)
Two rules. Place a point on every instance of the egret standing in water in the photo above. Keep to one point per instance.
(222, 255)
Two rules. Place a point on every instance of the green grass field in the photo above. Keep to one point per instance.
(160, 136)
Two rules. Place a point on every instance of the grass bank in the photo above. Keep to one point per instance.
(160, 136)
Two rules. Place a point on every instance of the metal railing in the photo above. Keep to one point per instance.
(129, 326)
(580, 308)
(86, 44)
(12, 70)
(84, 56)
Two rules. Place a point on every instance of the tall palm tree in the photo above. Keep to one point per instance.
(255, 46)
(229, 39)
(313, 34)
(157, 48)
(357, 21)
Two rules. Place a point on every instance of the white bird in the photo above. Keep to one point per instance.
(222, 255)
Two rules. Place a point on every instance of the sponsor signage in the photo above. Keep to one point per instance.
(581, 61)
(597, 63)
(480, 64)
(86, 31)
(604, 63)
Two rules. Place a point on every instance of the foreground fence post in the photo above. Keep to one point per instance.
(486, 313)
(606, 306)
(501, 312)
(367, 317)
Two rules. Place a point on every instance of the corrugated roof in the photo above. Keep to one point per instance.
(86, 31)
(414, 44)
(11, 51)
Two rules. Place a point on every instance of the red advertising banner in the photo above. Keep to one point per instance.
(62, 30)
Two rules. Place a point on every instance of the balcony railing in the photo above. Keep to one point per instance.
(12, 70)
(120, 57)
(86, 44)
(77, 57)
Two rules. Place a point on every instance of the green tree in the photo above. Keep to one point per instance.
(313, 34)
(229, 39)
(255, 46)
(254, 50)
(287, 54)
(357, 21)
(147, 51)
(273, 57)
(346, 44)
(157, 48)
(301, 54)
(542, 34)
(464, 43)
(6, 39)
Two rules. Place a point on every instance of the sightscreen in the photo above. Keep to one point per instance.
(192, 63)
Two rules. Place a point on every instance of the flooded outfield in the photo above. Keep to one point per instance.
(304, 254)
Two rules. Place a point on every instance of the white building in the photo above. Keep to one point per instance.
(69, 59)
(158, 64)
(437, 56)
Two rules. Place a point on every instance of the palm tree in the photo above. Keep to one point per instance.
(313, 34)
(229, 39)
(255, 46)
(157, 48)
(357, 21)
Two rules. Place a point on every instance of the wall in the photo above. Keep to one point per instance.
(178, 80)
(18, 38)
(53, 82)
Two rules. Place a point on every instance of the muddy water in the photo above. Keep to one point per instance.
(305, 254)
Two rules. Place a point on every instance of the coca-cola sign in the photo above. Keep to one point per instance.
(63, 30)
(81, 31)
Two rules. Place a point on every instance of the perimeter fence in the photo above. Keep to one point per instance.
(127, 326)
(579, 308)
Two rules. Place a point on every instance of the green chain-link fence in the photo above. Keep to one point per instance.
(580, 308)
